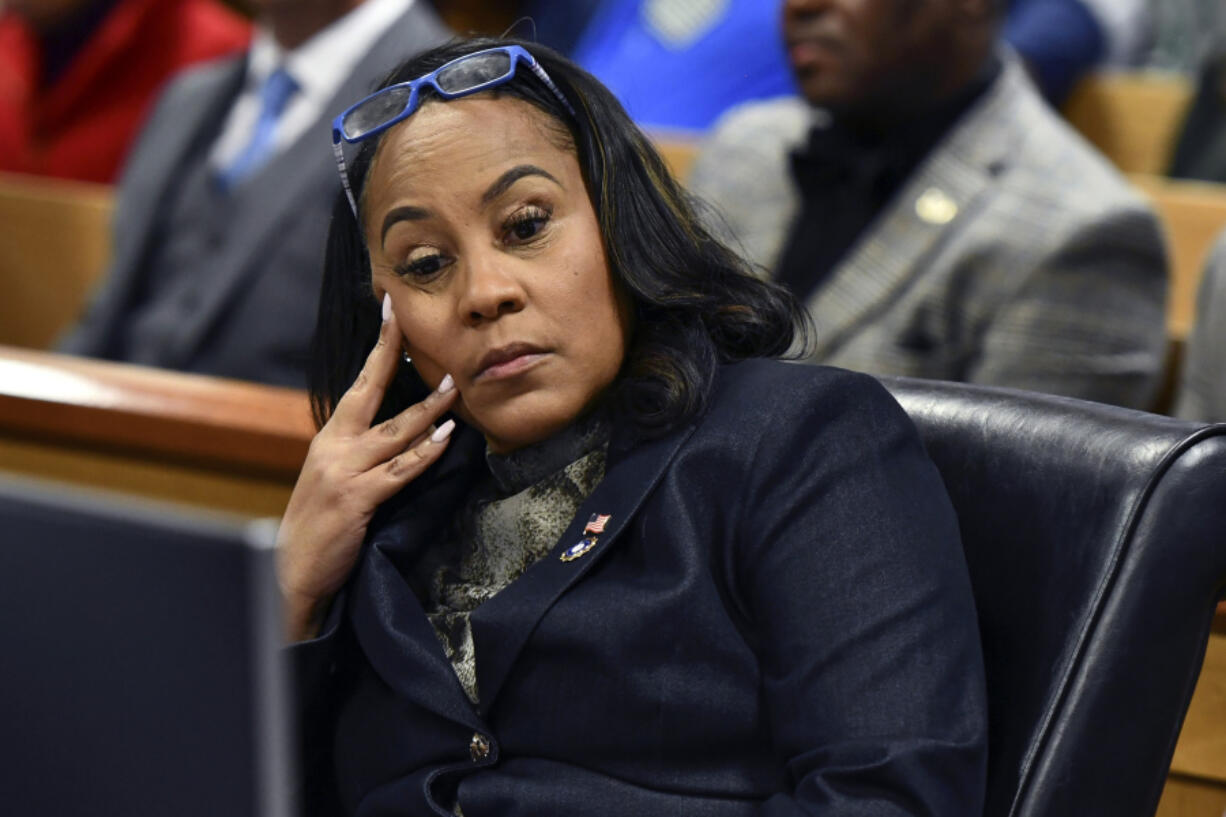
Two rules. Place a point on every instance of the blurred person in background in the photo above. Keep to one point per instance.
(679, 64)
(549, 22)
(936, 215)
(1186, 33)
(1200, 145)
(77, 77)
(1202, 388)
(222, 211)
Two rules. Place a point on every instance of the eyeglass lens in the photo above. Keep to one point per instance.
(375, 111)
(474, 71)
(461, 75)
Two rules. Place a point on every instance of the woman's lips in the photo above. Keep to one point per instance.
(509, 360)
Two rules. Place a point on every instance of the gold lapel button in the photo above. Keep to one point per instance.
(936, 207)
(479, 747)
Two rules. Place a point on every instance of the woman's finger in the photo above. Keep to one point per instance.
(359, 405)
(397, 433)
(383, 482)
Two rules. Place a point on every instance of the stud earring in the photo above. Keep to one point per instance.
(406, 357)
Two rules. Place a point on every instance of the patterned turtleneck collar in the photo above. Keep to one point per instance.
(506, 526)
(524, 467)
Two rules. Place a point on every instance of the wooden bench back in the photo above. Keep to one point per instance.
(199, 440)
(1193, 216)
(54, 245)
(1132, 117)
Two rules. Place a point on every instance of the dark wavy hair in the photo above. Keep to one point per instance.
(695, 303)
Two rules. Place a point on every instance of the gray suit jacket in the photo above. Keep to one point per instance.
(1014, 255)
(1202, 389)
(256, 319)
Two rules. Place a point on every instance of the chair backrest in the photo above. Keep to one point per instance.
(679, 150)
(1133, 117)
(1096, 542)
(1193, 216)
(54, 245)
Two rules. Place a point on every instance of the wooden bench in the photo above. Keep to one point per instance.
(198, 440)
(1194, 216)
(1133, 117)
(54, 245)
(1196, 786)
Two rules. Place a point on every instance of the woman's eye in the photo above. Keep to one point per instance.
(421, 267)
(526, 225)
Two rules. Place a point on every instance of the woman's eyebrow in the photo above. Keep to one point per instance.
(500, 186)
(406, 213)
(513, 175)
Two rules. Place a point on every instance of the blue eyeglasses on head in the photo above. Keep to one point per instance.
(465, 75)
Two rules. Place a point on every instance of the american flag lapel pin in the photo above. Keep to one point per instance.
(595, 526)
(597, 522)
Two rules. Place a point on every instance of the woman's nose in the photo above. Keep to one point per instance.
(490, 289)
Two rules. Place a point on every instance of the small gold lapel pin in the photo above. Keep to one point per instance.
(936, 207)
(591, 531)
(579, 548)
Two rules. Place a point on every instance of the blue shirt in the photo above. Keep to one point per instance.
(682, 69)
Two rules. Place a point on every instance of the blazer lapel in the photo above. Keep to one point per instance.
(388, 619)
(922, 217)
(502, 625)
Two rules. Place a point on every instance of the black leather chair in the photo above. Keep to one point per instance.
(1096, 540)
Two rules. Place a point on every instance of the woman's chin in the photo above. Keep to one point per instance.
(507, 431)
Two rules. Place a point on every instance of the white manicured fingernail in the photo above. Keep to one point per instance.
(387, 307)
(447, 384)
(443, 432)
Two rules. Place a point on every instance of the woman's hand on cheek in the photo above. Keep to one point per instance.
(350, 469)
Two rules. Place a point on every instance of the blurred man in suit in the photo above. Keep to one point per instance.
(224, 205)
(938, 218)
(1202, 389)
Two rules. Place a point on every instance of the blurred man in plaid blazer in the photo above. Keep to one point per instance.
(937, 217)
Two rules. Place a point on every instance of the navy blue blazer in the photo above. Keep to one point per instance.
(777, 620)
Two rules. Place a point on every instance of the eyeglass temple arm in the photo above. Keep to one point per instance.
(543, 77)
(340, 163)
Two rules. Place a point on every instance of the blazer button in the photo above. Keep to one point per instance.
(479, 747)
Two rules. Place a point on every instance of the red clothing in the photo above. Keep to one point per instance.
(83, 124)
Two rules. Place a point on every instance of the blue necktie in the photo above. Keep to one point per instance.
(276, 93)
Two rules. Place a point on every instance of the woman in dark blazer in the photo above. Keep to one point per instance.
(648, 572)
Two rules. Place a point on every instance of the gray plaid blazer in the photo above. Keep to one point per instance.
(1015, 255)
(1202, 389)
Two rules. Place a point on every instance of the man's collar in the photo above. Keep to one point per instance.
(836, 147)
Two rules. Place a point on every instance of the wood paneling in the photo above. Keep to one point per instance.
(54, 245)
(679, 150)
(1193, 216)
(1132, 117)
(1201, 751)
(1189, 797)
(200, 440)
